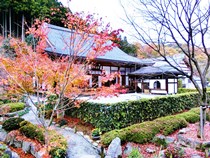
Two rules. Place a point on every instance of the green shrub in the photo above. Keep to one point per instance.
(23, 123)
(32, 131)
(5, 100)
(12, 124)
(1, 102)
(21, 113)
(135, 154)
(15, 106)
(96, 132)
(190, 117)
(3, 147)
(169, 124)
(195, 110)
(173, 151)
(160, 142)
(119, 115)
(146, 131)
(188, 90)
(58, 151)
(62, 122)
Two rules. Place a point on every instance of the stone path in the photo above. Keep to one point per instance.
(78, 146)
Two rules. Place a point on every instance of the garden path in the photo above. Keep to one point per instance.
(78, 146)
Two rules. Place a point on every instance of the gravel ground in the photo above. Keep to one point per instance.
(120, 98)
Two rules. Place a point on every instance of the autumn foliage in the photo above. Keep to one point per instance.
(32, 70)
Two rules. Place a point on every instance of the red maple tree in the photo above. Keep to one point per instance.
(32, 70)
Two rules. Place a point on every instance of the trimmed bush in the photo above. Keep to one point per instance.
(58, 151)
(15, 106)
(119, 115)
(190, 116)
(188, 90)
(23, 123)
(12, 124)
(62, 122)
(32, 131)
(146, 131)
(5, 100)
(169, 124)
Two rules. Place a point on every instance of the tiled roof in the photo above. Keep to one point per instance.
(162, 67)
(59, 41)
(152, 70)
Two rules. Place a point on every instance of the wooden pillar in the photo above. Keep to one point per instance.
(166, 84)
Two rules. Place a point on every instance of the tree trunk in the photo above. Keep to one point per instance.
(5, 24)
(203, 113)
(3, 32)
(10, 23)
(23, 30)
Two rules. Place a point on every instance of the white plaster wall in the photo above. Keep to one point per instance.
(127, 81)
(99, 81)
(162, 83)
(90, 82)
(172, 87)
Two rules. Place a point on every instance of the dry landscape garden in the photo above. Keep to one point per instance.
(72, 87)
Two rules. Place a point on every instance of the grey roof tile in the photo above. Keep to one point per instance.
(59, 39)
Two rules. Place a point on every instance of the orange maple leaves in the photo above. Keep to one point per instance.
(33, 70)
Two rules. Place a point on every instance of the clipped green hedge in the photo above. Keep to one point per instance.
(145, 132)
(15, 106)
(188, 90)
(118, 115)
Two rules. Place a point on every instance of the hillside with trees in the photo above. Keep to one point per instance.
(17, 15)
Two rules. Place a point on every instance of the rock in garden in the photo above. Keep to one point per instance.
(150, 151)
(86, 137)
(95, 144)
(183, 131)
(98, 141)
(68, 129)
(17, 143)
(195, 156)
(80, 133)
(3, 135)
(15, 155)
(128, 149)
(115, 149)
(40, 153)
(26, 146)
(90, 140)
(9, 139)
(33, 149)
(8, 151)
(170, 140)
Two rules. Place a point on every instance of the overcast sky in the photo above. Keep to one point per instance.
(110, 10)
